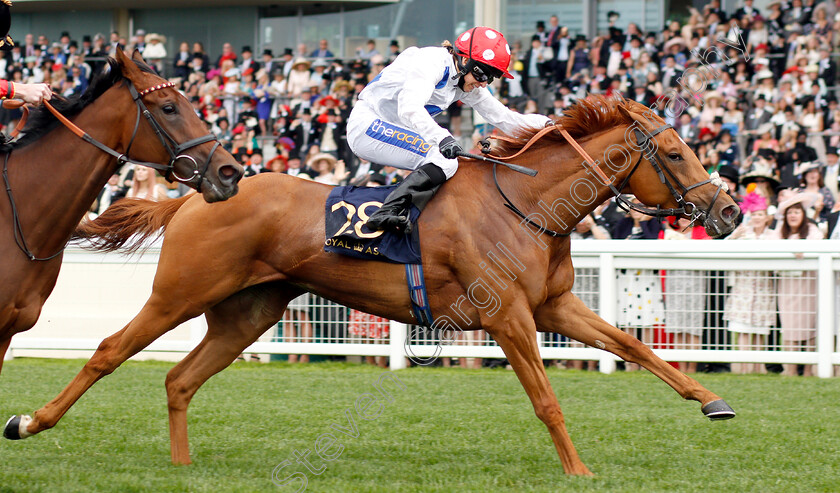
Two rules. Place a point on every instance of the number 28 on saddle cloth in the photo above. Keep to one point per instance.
(346, 211)
(348, 208)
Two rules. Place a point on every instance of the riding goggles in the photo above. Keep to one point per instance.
(484, 74)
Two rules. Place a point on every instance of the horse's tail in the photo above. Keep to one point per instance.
(127, 224)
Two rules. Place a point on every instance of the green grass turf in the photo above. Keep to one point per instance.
(450, 430)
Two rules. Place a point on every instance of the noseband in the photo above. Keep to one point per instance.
(172, 147)
(646, 143)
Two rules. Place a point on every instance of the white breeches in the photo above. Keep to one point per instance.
(385, 143)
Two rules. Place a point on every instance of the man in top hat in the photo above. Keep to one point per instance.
(393, 50)
(536, 68)
(248, 61)
(288, 59)
(541, 33)
(561, 44)
(87, 45)
(304, 131)
(268, 61)
(31, 93)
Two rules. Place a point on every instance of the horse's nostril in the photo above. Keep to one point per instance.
(230, 174)
(729, 213)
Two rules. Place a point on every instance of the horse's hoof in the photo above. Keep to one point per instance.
(16, 427)
(717, 410)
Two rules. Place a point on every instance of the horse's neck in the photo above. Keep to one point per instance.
(566, 190)
(57, 178)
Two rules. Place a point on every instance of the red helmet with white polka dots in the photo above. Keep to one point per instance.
(485, 46)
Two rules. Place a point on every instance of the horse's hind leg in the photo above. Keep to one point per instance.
(157, 317)
(232, 325)
(519, 342)
(567, 315)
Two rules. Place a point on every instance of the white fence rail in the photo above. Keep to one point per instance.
(693, 281)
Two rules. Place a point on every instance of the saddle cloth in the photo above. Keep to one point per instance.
(346, 212)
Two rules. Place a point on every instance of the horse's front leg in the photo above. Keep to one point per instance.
(517, 336)
(4, 346)
(567, 315)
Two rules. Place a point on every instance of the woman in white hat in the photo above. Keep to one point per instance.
(155, 51)
(797, 290)
(298, 81)
(329, 170)
(811, 182)
(766, 138)
(711, 108)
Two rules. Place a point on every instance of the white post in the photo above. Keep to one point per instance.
(198, 328)
(607, 302)
(397, 345)
(825, 315)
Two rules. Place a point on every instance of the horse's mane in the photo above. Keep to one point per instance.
(41, 121)
(582, 119)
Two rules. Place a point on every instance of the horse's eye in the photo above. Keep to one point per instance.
(169, 109)
(674, 156)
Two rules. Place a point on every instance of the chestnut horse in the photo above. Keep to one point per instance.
(52, 176)
(242, 261)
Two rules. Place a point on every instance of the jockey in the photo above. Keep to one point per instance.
(392, 122)
(30, 93)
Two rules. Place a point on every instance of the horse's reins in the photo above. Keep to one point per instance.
(643, 142)
(122, 158)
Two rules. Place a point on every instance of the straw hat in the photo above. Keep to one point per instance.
(765, 127)
(322, 157)
(713, 95)
(807, 166)
(674, 41)
(764, 74)
(320, 62)
(155, 37)
(765, 174)
(806, 199)
(301, 61)
(342, 84)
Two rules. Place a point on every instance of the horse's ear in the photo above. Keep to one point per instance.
(136, 56)
(625, 112)
(121, 57)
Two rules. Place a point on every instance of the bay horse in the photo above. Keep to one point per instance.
(242, 261)
(54, 172)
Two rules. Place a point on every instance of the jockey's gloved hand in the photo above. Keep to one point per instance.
(450, 148)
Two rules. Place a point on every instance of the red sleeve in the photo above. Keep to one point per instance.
(4, 88)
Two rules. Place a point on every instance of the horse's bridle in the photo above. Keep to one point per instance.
(646, 144)
(172, 147)
(686, 208)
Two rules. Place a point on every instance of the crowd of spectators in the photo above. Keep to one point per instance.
(765, 114)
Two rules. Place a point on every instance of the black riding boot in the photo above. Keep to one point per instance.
(417, 188)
